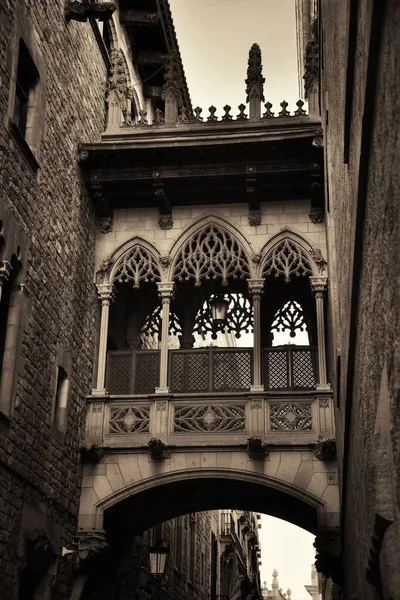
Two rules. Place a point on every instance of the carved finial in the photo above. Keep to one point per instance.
(268, 113)
(300, 110)
(171, 92)
(284, 112)
(117, 92)
(255, 82)
(197, 114)
(159, 117)
(226, 116)
(241, 116)
(275, 583)
(212, 116)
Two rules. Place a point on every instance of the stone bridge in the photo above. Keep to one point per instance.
(152, 459)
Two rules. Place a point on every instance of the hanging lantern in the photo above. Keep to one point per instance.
(219, 310)
(158, 558)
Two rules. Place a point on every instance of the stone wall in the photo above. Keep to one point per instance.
(275, 216)
(39, 469)
(364, 253)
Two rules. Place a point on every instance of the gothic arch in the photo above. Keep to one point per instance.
(136, 260)
(288, 253)
(150, 488)
(227, 252)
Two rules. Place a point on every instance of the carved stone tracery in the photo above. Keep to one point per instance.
(290, 317)
(287, 259)
(207, 418)
(239, 317)
(291, 416)
(136, 266)
(211, 253)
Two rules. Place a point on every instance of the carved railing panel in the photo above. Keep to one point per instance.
(209, 418)
(289, 368)
(129, 419)
(291, 416)
(133, 372)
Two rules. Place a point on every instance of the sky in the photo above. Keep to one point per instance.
(289, 550)
(214, 38)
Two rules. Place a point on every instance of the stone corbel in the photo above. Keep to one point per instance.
(373, 571)
(325, 449)
(317, 210)
(82, 11)
(256, 448)
(87, 546)
(252, 195)
(158, 450)
(328, 558)
(163, 203)
(103, 207)
(92, 453)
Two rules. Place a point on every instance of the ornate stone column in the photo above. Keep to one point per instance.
(106, 295)
(318, 287)
(5, 273)
(166, 292)
(256, 288)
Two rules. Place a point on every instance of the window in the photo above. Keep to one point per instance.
(61, 400)
(27, 80)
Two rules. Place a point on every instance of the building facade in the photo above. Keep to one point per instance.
(351, 57)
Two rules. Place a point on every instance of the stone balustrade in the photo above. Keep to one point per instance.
(217, 420)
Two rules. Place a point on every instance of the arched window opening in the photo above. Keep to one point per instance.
(289, 326)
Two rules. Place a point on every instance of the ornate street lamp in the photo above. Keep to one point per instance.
(219, 310)
(158, 558)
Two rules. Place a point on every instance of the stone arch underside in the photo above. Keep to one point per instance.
(131, 487)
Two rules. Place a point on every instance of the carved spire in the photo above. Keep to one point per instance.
(172, 89)
(117, 91)
(255, 82)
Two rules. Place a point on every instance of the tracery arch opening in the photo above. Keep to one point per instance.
(132, 353)
(211, 253)
(288, 318)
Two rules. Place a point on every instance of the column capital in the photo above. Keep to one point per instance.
(105, 291)
(5, 271)
(165, 289)
(256, 286)
(318, 285)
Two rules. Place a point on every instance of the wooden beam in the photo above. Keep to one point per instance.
(139, 17)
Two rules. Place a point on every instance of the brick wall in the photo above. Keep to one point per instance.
(37, 467)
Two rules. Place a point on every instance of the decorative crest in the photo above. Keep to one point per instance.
(136, 266)
(211, 253)
(255, 81)
(287, 259)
